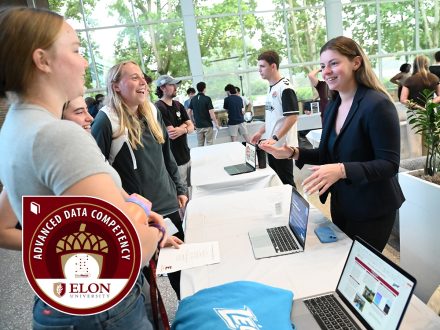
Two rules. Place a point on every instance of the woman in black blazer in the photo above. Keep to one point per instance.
(359, 153)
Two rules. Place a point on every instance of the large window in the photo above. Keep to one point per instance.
(393, 32)
(231, 34)
(147, 32)
(221, 44)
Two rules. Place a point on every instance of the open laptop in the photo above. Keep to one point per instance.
(277, 241)
(248, 166)
(372, 293)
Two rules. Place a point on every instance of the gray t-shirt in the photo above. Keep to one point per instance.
(43, 155)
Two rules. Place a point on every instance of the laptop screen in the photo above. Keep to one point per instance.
(250, 154)
(298, 217)
(376, 289)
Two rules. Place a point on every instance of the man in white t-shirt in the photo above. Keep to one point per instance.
(281, 114)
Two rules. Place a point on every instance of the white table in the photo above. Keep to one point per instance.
(208, 175)
(307, 122)
(228, 219)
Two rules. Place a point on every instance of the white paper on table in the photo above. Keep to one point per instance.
(189, 255)
(171, 228)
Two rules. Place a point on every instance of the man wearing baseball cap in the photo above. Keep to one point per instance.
(167, 80)
(177, 122)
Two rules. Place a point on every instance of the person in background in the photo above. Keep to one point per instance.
(233, 104)
(359, 154)
(420, 80)
(130, 133)
(90, 102)
(96, 105)
(435, 68)
(99, 98)
(148, 79)
(247, 105)
(202, 109)
(177, 123)
(281, 114)
(400, 78)
(54, 157)
(76, 111)
(322, 89)
(190, 92)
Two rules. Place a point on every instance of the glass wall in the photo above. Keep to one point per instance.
(231, 34)
(147, 32)
(393, 32)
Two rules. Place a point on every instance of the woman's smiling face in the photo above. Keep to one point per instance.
(77, 112)
(132, 86)
(338, 70)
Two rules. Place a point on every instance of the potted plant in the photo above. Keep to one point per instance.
(426, 121)
(419, 227)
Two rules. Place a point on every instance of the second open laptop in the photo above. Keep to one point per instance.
(372, 293)
(277, 241)
(248, 166)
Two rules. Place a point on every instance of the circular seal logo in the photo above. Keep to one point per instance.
(81, 255)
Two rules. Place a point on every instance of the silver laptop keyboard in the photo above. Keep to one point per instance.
(282, 239)
(329, 313)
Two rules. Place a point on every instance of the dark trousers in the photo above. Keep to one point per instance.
(375, 231)
(174, 277)
(284, 169)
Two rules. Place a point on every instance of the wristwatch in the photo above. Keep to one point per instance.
(275, 137)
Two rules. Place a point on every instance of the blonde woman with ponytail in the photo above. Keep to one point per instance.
(359, 154)
(132, 136)
(420, 80)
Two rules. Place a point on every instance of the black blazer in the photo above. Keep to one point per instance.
(369, 147)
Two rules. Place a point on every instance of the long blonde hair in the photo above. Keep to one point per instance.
(22, 31)
(365, 74)
(127, 120)
(421, 63)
